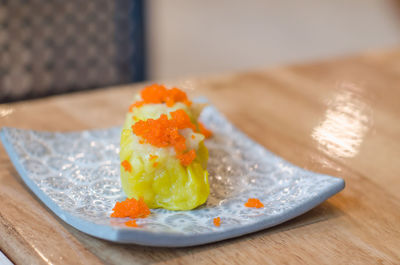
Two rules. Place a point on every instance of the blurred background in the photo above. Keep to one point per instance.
(201, 37)
(52, 46)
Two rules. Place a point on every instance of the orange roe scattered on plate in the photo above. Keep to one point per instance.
(217, 221)
(131, 208)
(254, 203)
(164, 132)
(155, 164)
(152, 157)
(203, 130)
(187, 158)
(131, 223)
(126, 165)
(156, 94)
(193, 136)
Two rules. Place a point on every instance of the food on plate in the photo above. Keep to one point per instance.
(131, 223)
(217, 221)
(131, 208)
(254, 203)
(163, 156)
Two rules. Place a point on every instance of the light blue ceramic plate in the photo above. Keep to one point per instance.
(77, 176)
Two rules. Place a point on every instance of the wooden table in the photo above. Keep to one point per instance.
(340, 117)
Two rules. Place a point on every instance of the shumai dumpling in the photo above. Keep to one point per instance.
(163, 156)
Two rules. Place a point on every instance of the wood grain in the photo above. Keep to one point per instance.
(340, 117)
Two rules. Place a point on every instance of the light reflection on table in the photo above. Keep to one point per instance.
(347, 120)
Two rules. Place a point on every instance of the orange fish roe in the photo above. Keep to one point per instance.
(176, 95)
(136, 105)
(131, 223)
(164, 132)
(193, 136)
(217, 221)
(254, 203)
(203, 130)
(155, 164)
(152, 157)
(156, 94)
(187, 158)
(182, 120)
(126, 165)
(131, 208)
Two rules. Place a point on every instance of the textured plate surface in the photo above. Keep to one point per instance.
(77, 176)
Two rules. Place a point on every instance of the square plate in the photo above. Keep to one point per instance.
(76, 175)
